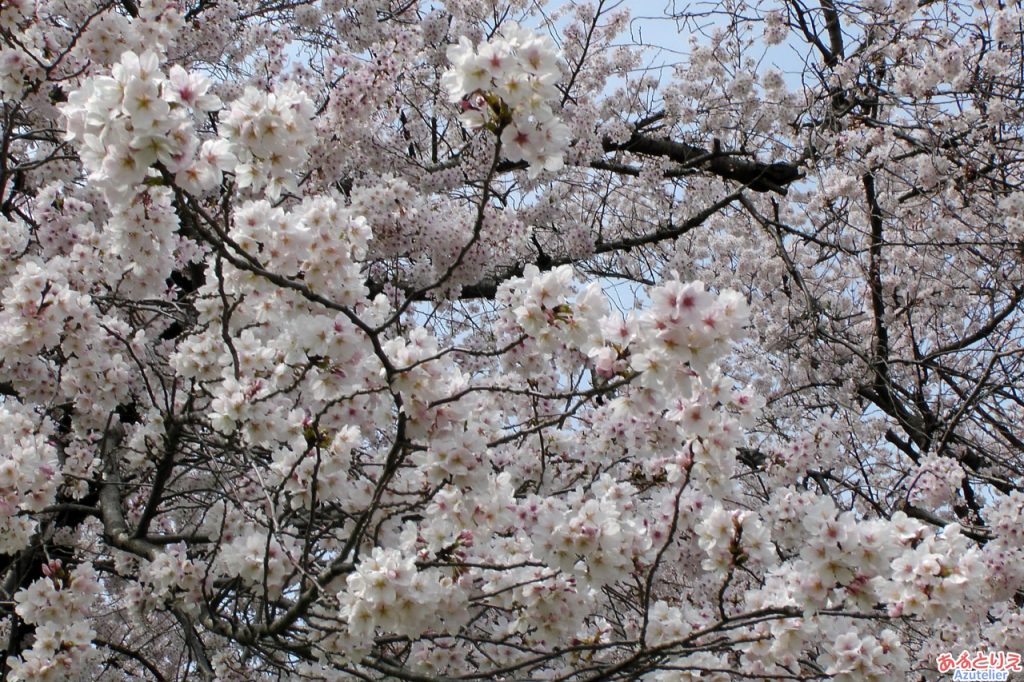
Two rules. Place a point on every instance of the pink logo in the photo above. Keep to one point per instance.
(979, 666)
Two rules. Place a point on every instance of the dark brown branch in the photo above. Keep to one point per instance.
(163, 473)
(835, 32)
(134, 655)
(980, 534)
(755, 175)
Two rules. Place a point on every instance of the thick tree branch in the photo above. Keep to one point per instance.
(755, 175)
(729, 165)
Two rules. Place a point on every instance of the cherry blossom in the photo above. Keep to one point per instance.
(508, 85)
(345, 339)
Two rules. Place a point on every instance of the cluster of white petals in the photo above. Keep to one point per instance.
(857, 657)
(258, 558)
(733, 539)
(597, 537)
(29, 477)
(387, 593)
(173, 577)
(59, 605)
(508, 84)
(269, 133)
(936, 481)
(938, 578)
(126, 123)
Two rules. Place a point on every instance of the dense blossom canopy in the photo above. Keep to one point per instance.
(487, 340)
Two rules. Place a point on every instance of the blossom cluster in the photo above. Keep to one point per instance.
(387, 592)
(551, 311)
(596, 537)
(434, 230)
(508, 84)
(936, 481)
(126, 123)
(836, 558)
(859, 656)
(937, 579)
(685, 331)
(59, 605)
(322, 477)
(29, 477)
(173, 577)
(259, 558)
(733, 539)
(270, 133)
